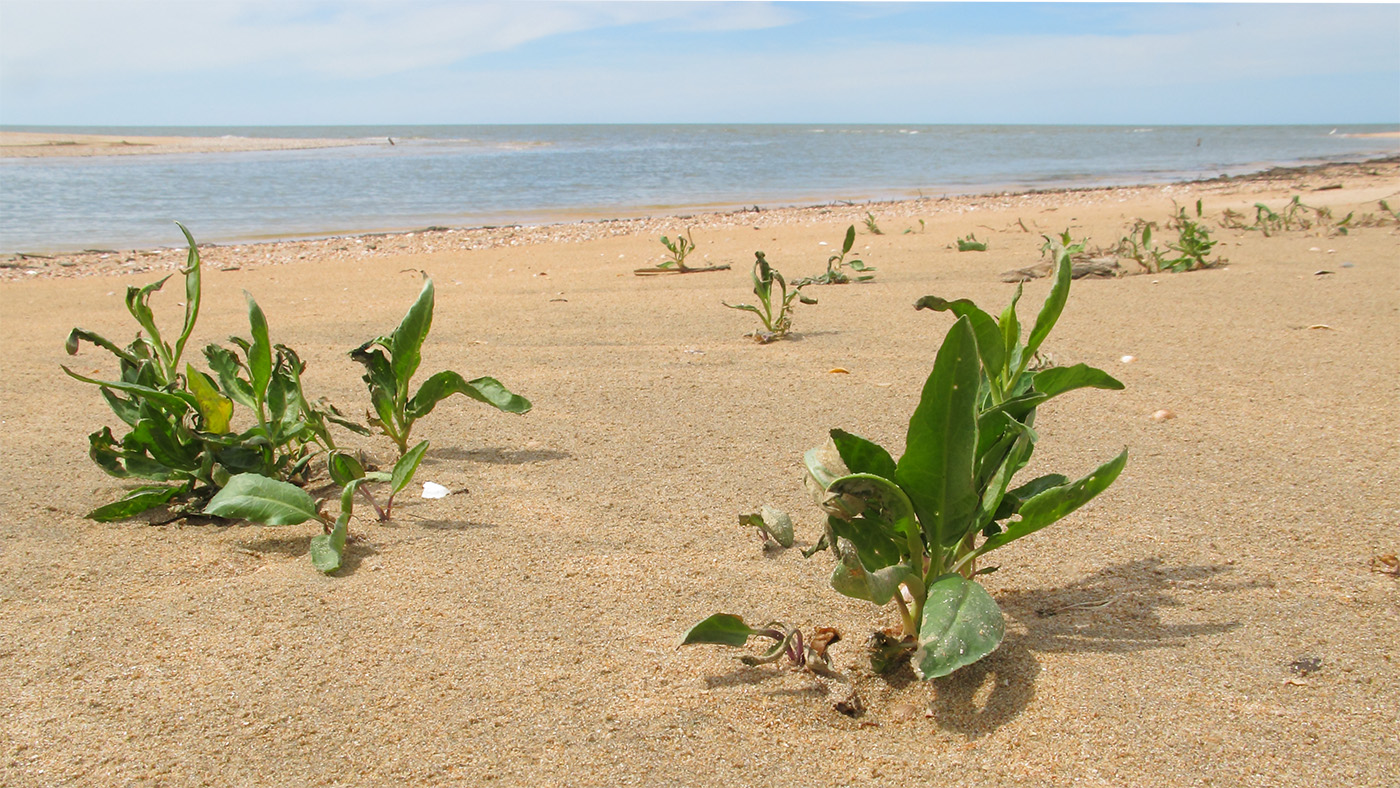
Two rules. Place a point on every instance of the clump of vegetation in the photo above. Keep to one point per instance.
(1137, 246)
(834, 274)
(1192, 246)
(181, 419)
(910, 230)
(1298, 216)
(678, 250)
(912, 531)
(871, 226)
(774, 308)
(971, 244)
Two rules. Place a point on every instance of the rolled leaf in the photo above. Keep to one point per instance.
(173, 401)
(249, 496)
(327, 550)
(725, 629)
(259, 351)
(344, 467)
(939, 462)
(193, 292)
(70, 345)
(961, 624)
(851, 578)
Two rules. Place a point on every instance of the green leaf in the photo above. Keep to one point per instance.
(862, 456)
(445, 384)
(407, 343)
(226, 365)
(70, 345)
(1051, 309)
(406, 467)
(1010, 327)
(137, 303)
(938, 468)
(134, 503)
(725, 629)
(1054, 503)
(344, 467)
(214, 408)
(249, 496)
(260, 351)
(772, 521)
(988, 334)
(850, 240)
(879, 501)
(193, 292)
(327, 550)
(961, 624)
(851, 578)
(1055, 381)
(172, 401)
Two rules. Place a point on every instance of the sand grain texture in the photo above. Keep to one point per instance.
(524, 634)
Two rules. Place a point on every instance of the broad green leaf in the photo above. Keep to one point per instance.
(134, 503)
(193, 292)
(725, 629)
(939, 462)
(1051, 309)
(772, 521)
(1054, 503)
(852, 579)
(988, 334)
(249, 496)
(862, 456)
(407, 342)
(446, 383)
(259, 351)
(327, 550)
(406, 467)
(882, 502)
(214, 408)
(961, 624)
(850, 240)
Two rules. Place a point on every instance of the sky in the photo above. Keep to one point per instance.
(379, 62)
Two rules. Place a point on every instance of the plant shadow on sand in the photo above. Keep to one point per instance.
(356, 551)
(1113, 611)
(494, 455)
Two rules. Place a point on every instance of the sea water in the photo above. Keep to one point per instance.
(468, 176)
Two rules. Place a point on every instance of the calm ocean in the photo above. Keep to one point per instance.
(464, 176)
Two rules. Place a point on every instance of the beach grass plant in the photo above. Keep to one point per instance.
(835, 275)
(912, 531)
(871, 226)
(775, 306)
(971, 244)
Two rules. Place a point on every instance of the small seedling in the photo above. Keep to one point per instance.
(871, 226)
(971, 244)
(727, 629)
(1192, 246)
(774, 525)
(834, 274)
(910, 230)
(1065, 242)
(679, 249)
(390, 363)
(776, 323)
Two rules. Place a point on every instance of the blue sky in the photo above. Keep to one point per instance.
(276, 62)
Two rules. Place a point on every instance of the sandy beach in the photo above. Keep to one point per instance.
(27, 144)
(1221, 616)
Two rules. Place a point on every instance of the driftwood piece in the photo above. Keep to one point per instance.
(1093, 268)
(685, 270)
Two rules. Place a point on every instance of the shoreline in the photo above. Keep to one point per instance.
(34, 144)
(362, 245)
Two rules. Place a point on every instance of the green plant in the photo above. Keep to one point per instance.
(728, 629)
(910, 230)
(1192, 246)
(773, 524)
(181, 419)
(391, 362)
(1066, 242)
(971, 244)
(679, 250)
(871, 226)
(776, 322)
(1137, 246)
(834, 264)
(912, 531)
